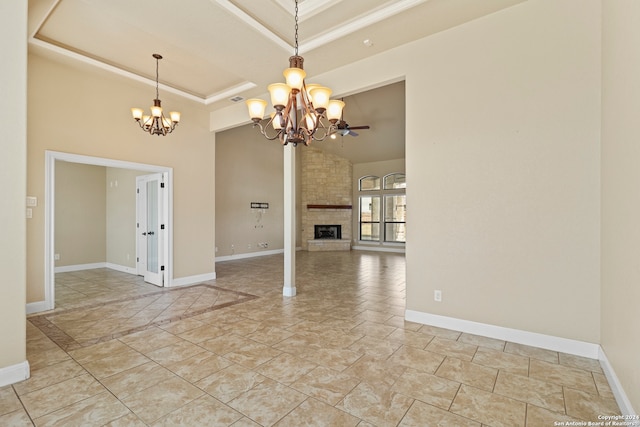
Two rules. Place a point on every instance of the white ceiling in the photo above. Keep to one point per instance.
(215, 50)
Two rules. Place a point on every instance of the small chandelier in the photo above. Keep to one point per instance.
(301, 110)
(156, 123)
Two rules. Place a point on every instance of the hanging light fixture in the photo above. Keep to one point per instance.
(303, 112)
(156, 123)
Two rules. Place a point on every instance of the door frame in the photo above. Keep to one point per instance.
(49, 206)
(162, 240)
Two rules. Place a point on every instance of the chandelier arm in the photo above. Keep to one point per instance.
(264, 132)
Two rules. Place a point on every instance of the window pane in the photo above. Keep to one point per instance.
(370, 231)
(395, 208)
(395, 232)
(369, 183)
(395, 180)
(370, 209)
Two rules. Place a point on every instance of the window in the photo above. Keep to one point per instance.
(388, 203)
(370, 218)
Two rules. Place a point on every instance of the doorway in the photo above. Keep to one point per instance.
(165, 253)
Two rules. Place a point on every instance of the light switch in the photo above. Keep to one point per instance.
(32, 201)
(29, 213)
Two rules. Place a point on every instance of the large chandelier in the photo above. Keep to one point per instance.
(156, 123)
(303, 112)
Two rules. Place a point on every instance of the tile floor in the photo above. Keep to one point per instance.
(235, 352)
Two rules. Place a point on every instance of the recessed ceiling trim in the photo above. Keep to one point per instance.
(307, 9)
(240, 14)
(228, 93)
(110, 68)
(377, 15)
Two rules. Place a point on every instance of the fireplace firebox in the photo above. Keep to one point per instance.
(327, 231)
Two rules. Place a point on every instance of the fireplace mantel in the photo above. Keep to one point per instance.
(329, 207)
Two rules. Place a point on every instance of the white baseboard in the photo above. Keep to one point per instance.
(621, 397)
(37, 307)
(121, 268)
(249, 255)
(14, 373)
(378, 249)
(79, 267)
(191, 280)
(549, 342)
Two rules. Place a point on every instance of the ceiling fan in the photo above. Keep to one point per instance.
(343, 128)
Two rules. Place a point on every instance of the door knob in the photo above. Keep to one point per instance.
(151, 233)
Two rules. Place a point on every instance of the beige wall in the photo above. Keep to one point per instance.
(80, 214)
(620, 192)
(13, 115)
(81, 110)
(248, 169)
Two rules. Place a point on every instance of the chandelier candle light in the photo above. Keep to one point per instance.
(301, 109)
(156, 123)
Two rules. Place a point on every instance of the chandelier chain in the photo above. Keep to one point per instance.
(157, 78)
(296, 28)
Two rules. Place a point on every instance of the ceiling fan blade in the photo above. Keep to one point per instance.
(360, 127)
(352, 133)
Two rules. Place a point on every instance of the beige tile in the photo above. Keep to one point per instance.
(456, 349)
(602, 385)
(529, 390)
(325, 384)
(373, 329)
(410, 338)
(427, 388)
(136, 379)
(267, 402)
(150, 339)
(159, 400)
(500, 360)
(252, 355)
(376, 404)
(46, 358)
(412, 357)
(17, 418)
(285, 368)
(49, 399)
(439, 332)
(9, 401)
(181, 326)
(227, 343)
(400, 322)
(129, 420)
(49, 375)
(96, 410)
(175, 352)
(537, 416)
(204, 411)
(338, 359)
(98, 351)
(246, 422)
(375, 371)
(198, 366)
(488, 408)
(468, 373)
(111, 365)
(270, 335)
(421, 414)
(375, 347)
(533, 352)
(481, 341)
(563, 375)
(230, 382)
(587, 406)
(580, 362)
(202, 333)
(313, 412)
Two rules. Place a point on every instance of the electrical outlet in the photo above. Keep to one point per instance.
(56, 257)
(437, 295)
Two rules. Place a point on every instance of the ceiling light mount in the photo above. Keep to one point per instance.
(303, 112)
(156, 123)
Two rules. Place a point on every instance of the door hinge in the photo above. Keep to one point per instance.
(162, 185)
(162, 268)
(137, 259)
(161, 226)
(138, 190)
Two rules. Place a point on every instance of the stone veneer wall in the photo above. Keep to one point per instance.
(325, 180)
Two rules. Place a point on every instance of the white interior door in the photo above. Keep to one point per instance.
(152, 208)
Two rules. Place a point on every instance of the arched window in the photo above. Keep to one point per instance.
(382, 211)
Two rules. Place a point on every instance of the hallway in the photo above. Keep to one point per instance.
(235, 352)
